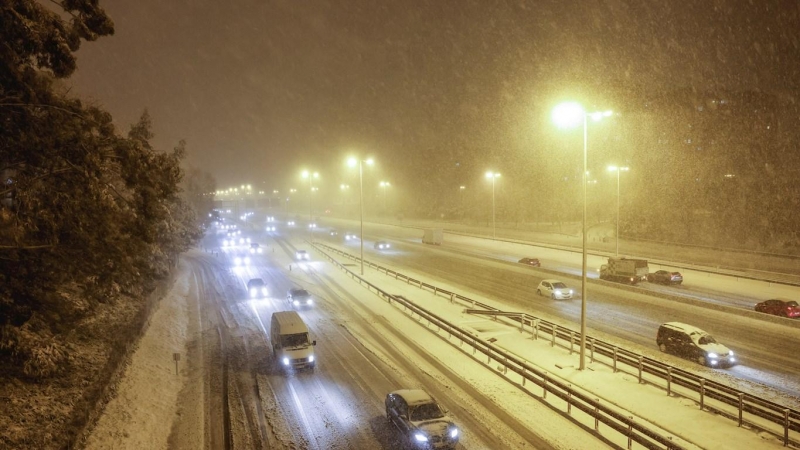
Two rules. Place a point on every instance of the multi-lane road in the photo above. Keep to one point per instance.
(365, 353)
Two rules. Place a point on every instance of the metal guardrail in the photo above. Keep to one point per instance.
(621, 423)
(786, 419)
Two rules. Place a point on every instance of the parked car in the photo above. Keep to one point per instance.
(778, 307)
(693, 343)
(299, 297)
(302, 255)
(423, 422)
(665, 277)
(382, 245)
(531, 262)
(554, 289)
(257, 288)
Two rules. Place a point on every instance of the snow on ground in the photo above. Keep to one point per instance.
(680, 416)
(147, 401)
(141, 414)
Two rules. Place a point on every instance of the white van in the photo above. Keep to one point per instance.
(291, 345)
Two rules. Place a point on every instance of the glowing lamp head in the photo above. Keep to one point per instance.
(568, 115)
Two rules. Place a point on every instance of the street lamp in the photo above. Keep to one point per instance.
(461, 199)
(570, 115)
(310, 176)
(352, 162)
(384, 185)
(493, 176)
(618, 170)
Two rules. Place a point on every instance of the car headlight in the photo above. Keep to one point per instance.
(570, 292)
(241, 240)
(311, 358)
(453, 433)
(246, 260)
(713, 355)
(252, 250)
(253, 292)
(296, 302)
(260, 251)
(285, 361)
(237, 261)
(309, 302)
(730, 353)
(264, 291)
(420, 437)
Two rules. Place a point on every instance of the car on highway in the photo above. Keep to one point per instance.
(270, 219)
(692, 343)
(778, 307)
(257, 288)
(421, 420)
(270, 228)
(290, 223)
(312, 225)
(350, 236)
(665, 277)
(256, 248)
(554, 289)
(334, 233)
(299, 297)
(382, 245)
(531, 262)
(241, 261)
(302, 255)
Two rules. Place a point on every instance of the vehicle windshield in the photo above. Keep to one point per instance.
(256, 283)
(294, 340)
(300, 293)
(559, 285)
(791, 303)
(427, 411)
(706, 339)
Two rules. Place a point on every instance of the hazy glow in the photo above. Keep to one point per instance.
(568, 115)
(491, 174)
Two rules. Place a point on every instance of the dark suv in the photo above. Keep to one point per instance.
(417, 415)
(693, 343)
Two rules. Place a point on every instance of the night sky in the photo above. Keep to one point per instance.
(261, 89)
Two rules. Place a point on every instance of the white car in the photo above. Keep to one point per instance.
(302, 255)
(554, 289)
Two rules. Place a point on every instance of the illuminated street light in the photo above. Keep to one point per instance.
(493, 176)
(618, 170)
(352, 162)
(570, 115)
(310, 176)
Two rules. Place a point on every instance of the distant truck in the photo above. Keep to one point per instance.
(433, 236)
(624, 270)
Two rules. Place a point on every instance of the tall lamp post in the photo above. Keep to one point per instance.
(310, 176)
(384, 185)
(493, 176)
(461, 199)
(570, 115)
(352, 162)
(618, 170)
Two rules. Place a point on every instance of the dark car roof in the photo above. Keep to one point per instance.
(256, 281)
(298, 292)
